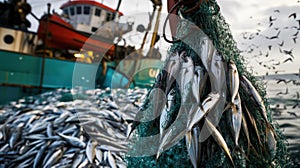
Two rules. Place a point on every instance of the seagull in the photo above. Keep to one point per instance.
(292, 113)
(298, 23)
(281, 44)
(295, 39)
(289, 59)
(290, 52)
(284, 93)
(270, 47)
(293, 15)
(267, 54)
(272, 19)
(295, 105)
(277, 11)
(281, 80)
(274, 37)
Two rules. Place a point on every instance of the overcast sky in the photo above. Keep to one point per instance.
(244, 16)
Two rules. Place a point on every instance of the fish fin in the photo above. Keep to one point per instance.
(133, 127)
(229, 105)
(219, 139)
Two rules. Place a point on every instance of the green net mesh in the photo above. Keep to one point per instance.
(213, 24)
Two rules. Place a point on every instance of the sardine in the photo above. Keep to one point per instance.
(39, 156)
(90, 150)
(214, 65)
(73, 141)
(236, 118)
(206, 106)
(16, 136)
(253, 123)
(193, 146)
(271, 142)
(232, 81)
(178, 129)
(54, 158)
(77, 160)
(254, 95)
(219, 139)
(111, 160)
(172, 67)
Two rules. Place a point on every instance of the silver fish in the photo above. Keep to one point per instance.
(77, 160)
(98, 154)
(111, 160)
(206, 106)
(177, 131)
(16, 136)
(90, 150)
(250, 89)
(39, 156)
(84, 163)
(73, 141)
(172, 67)
(219, 139)
(214, 64)
(253, 123)
(233, 80)
(271, 142)
(192, 138)
(236, 118)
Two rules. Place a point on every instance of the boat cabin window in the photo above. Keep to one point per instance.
(86, 10)
(108, 16)
(113, 16)
(66, 11)
(79, 10)
(97, 12)
(94, 29)
(72, 11)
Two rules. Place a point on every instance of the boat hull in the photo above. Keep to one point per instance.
(61, 35)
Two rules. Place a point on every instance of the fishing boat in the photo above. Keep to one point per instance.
(67, 50)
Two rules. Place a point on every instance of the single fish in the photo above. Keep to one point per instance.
(172, 67)
(201, 110)
(73, 141)
(236, 118)
(49, 129)
(90, 150)
(192, 143)
(232, 81)
(215, 67)
(16, 136)
(39, 156)
(219, 139)
(77, 160)
(253, 123)
(99, 154)
(54, 158)
(271, 142)
(254, 95)
(84, 163)
(111, 160)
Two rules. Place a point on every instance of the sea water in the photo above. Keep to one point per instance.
(283, 93)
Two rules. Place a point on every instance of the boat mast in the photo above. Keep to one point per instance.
(154, 35)
(118, 7)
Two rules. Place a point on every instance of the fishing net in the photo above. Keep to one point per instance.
(213, 25)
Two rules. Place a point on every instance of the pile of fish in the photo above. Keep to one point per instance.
(209, 91)
(68, 128)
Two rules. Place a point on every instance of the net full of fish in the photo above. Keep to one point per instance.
(221, 113)
(53, 130)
